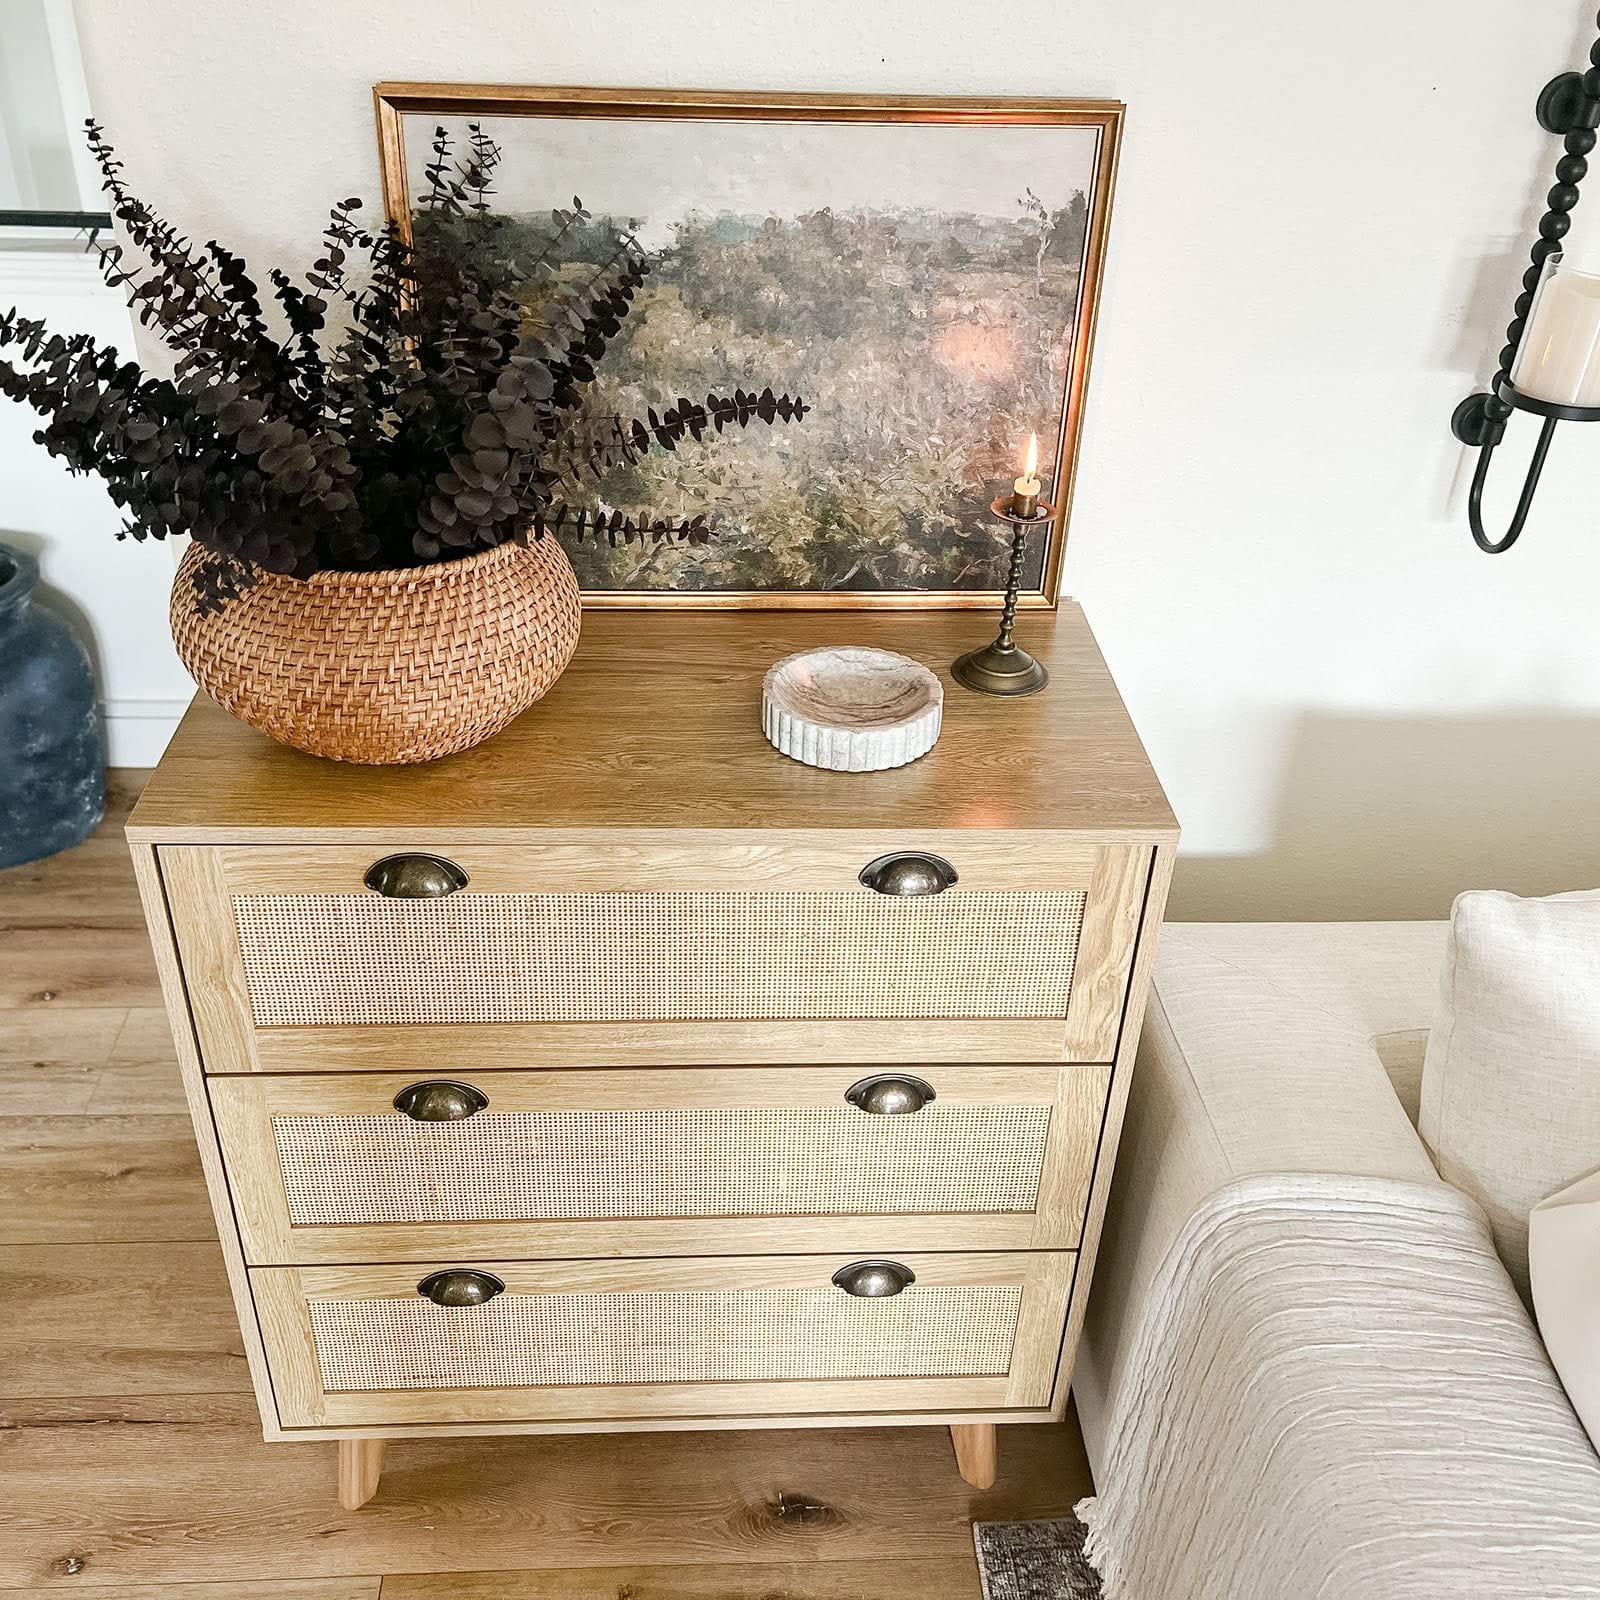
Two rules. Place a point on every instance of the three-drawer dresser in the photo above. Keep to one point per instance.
(623, 1073)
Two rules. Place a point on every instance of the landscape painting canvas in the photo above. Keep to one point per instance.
(922, 273)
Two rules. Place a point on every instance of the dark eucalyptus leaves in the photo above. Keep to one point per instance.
(408, 403)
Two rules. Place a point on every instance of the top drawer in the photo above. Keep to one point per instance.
(643, 952)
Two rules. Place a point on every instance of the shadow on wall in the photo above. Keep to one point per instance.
(1390, 818)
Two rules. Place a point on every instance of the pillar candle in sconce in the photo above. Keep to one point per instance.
(1559, 360)
(1550, 363)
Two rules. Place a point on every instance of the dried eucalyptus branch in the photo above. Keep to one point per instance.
(446, 417)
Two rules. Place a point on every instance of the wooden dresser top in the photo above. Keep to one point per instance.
(657, 725)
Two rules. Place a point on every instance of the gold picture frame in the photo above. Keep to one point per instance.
(398, 103)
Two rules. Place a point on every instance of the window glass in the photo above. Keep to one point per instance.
(41, 111)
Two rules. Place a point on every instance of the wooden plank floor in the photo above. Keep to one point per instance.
(131, 1463)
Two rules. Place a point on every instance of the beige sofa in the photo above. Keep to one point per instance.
(1279, 1077)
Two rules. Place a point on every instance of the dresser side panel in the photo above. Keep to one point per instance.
(1116, 1105)
(158, 918)
(208, 943)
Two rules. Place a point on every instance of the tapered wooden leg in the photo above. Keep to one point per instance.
(975, 1452)
(360, 1467)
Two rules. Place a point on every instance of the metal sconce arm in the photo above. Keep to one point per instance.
(1568, 105)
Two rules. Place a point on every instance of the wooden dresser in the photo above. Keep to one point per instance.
(624, 1074)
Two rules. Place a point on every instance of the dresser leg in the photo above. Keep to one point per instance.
(360, 1467)
(975, 1452)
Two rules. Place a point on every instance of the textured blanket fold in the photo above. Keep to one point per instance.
(1339, 1396)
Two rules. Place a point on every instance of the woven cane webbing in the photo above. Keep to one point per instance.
(740, 1161)
(682, 956)
(387, 667)
(664, 1337)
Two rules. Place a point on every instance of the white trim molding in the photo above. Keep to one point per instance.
(137, 731)
(31, 268)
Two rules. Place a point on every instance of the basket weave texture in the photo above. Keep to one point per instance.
(387, 668)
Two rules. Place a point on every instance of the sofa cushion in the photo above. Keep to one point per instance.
(1564, 1263)
(1378, 980)
(1257, 1056)
(1511, 1083)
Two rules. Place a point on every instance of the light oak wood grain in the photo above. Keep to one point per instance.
(138, 1084)
(47, 1088)
(75, 964)
(60, 1035)
(153, 899)
(90, 1180)
(163, 1504)
(175, 1495)
(1055, 791)
(209, 967)
(949, 1579)
(677, 699)
(360, 1468)
(202, 883)
(479, 1047)
(789, 1421)
(88, 886)
(88, 1413)
(87, 1060)
(245, 1108)
(976, 1452)
(657, 860)
(1116, 1105)
(1106, 945)
(282, 1297)
(271, 1589)
(146, 1319)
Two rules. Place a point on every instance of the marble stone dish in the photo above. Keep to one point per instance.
(849, 708)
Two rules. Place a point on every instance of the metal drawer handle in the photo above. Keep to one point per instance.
(460, 1287)
(414, 877)
(909, 872)
(440, 1101)
(890, 1095)
(873, 1280)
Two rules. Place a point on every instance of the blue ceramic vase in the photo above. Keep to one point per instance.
(52, 758)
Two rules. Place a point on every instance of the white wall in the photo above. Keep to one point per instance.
(1321, 222)
(115, 597)
(114, 594)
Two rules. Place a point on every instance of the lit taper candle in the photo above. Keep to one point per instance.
(1025, 490)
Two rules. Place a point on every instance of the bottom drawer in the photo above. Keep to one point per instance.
(703, 1337)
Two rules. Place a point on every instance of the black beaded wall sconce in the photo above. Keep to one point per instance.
(1550, 365)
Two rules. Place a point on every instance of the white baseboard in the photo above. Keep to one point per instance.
(137, 730)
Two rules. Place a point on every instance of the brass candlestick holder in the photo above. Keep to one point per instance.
(1004, 667)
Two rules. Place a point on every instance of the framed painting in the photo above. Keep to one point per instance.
(923, 272)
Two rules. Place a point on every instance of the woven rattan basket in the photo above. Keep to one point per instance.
(387, 667)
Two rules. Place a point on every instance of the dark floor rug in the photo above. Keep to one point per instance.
(1034, 1561)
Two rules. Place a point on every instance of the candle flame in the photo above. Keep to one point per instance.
(1030, 467)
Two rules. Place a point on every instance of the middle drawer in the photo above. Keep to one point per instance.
(377, 1166)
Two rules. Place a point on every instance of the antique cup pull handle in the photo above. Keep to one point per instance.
(414, 877)
(908, 872)
(440, 1101)
(460, 1287)
(873, 1280)
(890, 1094)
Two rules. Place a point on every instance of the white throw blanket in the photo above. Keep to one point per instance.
(1339, 1396)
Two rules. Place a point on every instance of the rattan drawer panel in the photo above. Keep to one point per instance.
(656, 954)
(326, 1169)
(684, 1337)
(319, 960)
(647, 1338)
(527, 1166)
